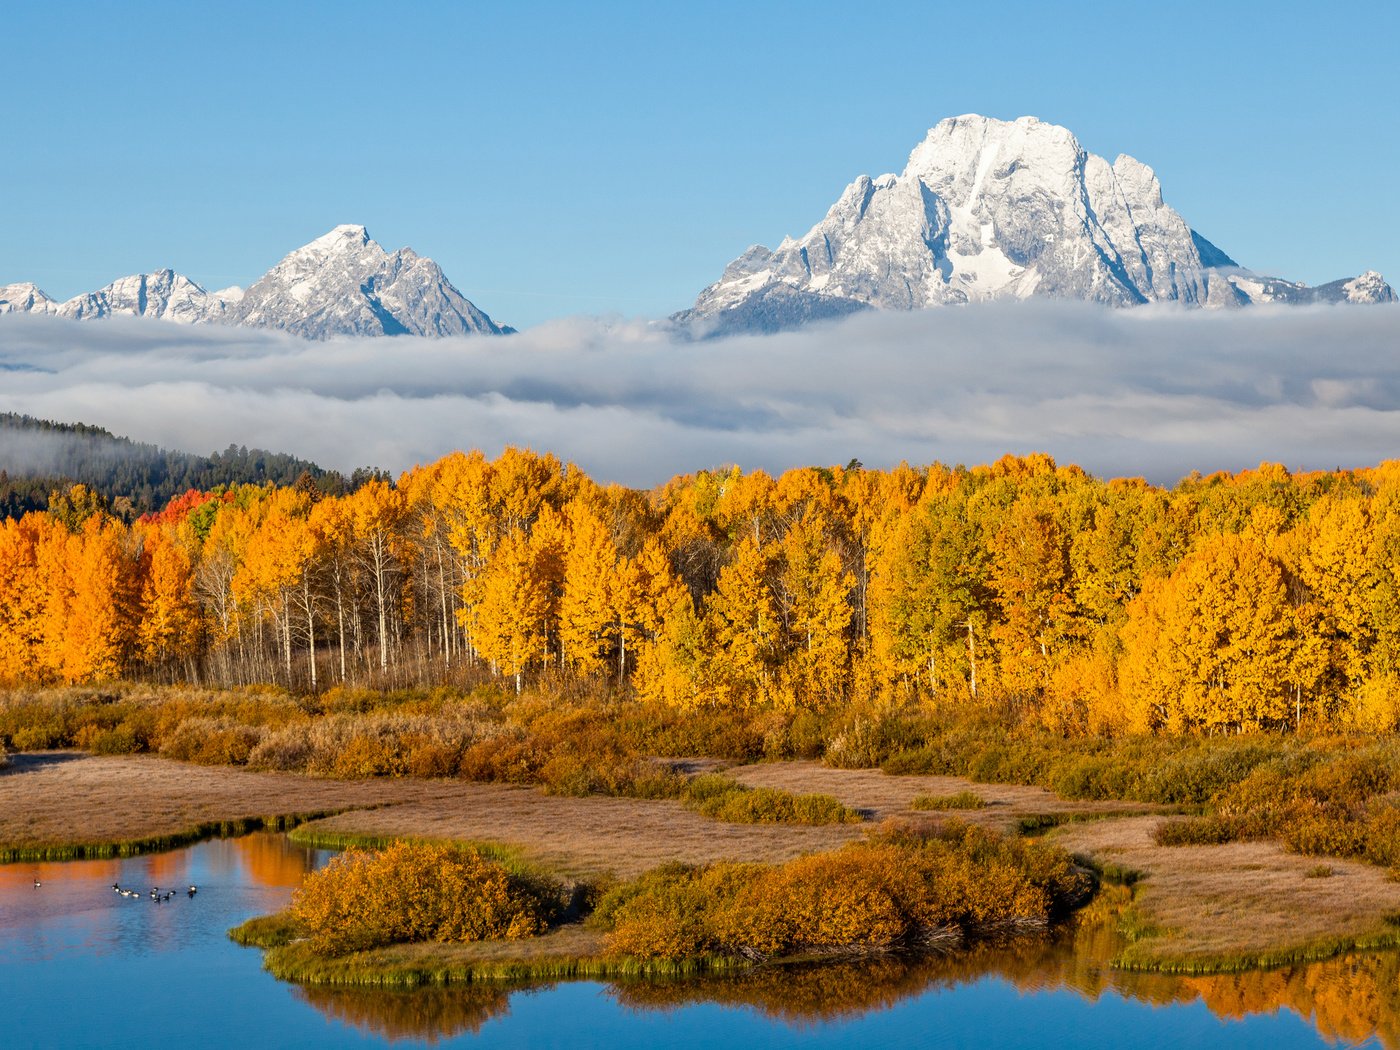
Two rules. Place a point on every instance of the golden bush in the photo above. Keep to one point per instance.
(418, 892)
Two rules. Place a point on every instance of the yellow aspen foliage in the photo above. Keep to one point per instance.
(509, 617)
(588, 623)
(1212, 647)
(23, 597)
(745, 505)
(170, 617)
(815, 592)
(377, 512)
(1030, 575)
(96, 635)
(742, 625)
(671, 667)
(1339, 567)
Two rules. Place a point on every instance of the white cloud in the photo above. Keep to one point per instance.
(1148, 391)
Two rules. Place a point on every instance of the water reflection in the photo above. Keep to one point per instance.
(424, 1015)
(75, 909)
(73, 941)
(1348, 1000)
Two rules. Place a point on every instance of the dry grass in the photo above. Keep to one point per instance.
(1234, 900)
(586, 836)
(1238, 901)
(65, 798)
(882, 796)
(68, 798)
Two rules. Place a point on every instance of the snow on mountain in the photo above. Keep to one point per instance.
(988, 209)
(344, 283)
(164, 294)
(25, 298)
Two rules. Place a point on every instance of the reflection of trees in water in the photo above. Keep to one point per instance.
(798, 995)
(272, 860)
(422, 1014)
(1348, 1000)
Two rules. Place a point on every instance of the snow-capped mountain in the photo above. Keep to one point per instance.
(342, 283)
(25, 298)
(164, 294)
(988, 209)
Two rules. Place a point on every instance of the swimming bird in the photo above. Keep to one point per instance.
(194, 890)
(116, 887)
(37, 883)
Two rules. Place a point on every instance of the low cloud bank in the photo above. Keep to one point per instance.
(1147, 391)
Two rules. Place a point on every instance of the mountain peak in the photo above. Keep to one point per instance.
(340, 237)
(341, 283)
(344, 283)
(992, 209)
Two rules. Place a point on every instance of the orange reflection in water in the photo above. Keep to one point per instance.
(425, 1015)
(1347, 1000)
(271, 861)
(23, 873)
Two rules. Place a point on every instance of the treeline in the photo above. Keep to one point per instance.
(39, 457)
(1229, 602)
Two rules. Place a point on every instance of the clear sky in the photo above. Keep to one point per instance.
(568, 158)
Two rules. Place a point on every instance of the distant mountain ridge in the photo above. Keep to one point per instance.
(989, 209)
(342, 283)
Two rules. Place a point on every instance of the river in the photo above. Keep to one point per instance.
(83, 966)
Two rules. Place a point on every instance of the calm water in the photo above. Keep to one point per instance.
(81, 966)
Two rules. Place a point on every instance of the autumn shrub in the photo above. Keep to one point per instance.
(902, 890)
(957, 800)
(417, 892)
(212, 741)
(1322, 834)
(1194, 831)
(119, 740)
(866, 739)
(1382, 834)
(284, 750)
(720, 798)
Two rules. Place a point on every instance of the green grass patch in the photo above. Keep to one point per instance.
(1143, 956)
(1194, 831)
(268, 931)
(212, 829)
(720, 798)
(957, 800)
(396, 968)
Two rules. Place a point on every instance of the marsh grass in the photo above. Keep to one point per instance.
(957, 800)
(157, 843)
(721, 798)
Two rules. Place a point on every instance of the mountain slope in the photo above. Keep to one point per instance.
(25, 298)
(342, 283)
(985, 210)
(164, 294)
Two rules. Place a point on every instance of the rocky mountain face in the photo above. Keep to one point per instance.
(342, 283)
(164, 294)
(25, 298)
(986, 210)
(345, 284)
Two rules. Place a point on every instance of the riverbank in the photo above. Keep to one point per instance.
(1194, 908)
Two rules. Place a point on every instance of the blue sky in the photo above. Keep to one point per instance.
(563, 159)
